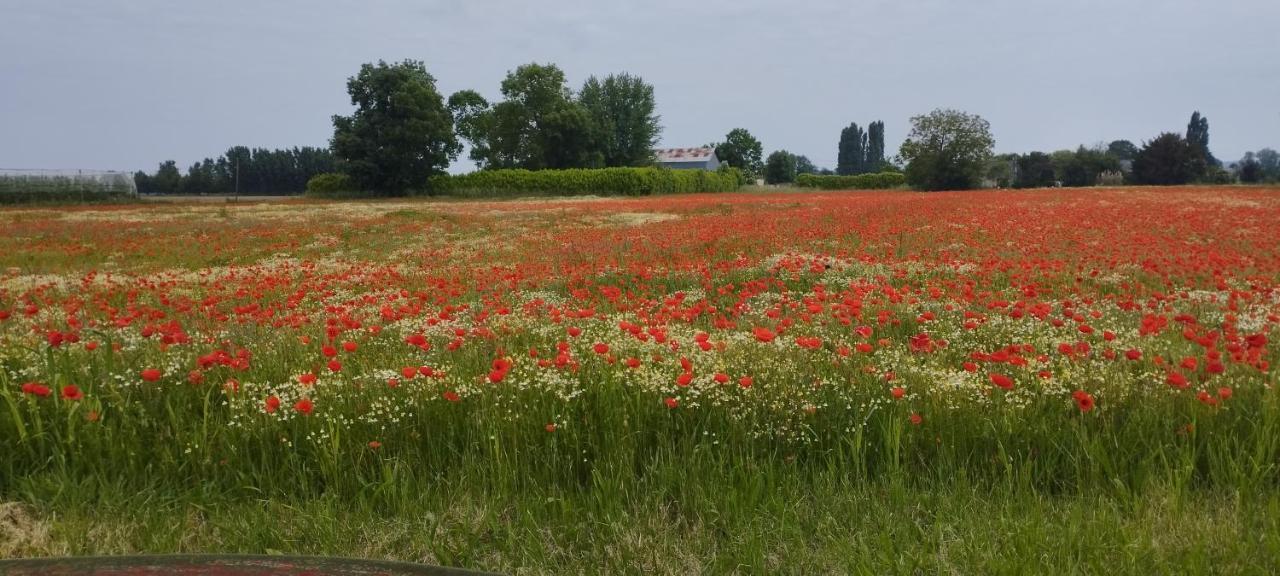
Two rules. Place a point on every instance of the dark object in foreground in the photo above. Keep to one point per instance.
(218, 566)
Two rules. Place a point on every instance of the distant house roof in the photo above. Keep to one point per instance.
(672, 155)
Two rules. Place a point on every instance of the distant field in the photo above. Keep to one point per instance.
(1050, 381)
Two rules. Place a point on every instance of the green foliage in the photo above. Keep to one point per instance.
(1198, 136)
(742, 150)
(852, 157)
(947, 150)
(880, 181)
(1168, 160)
(604, 181)
(1250, 169)
(1122, 150)
(29, 188)
(780, 168)
(625, 110)
(251, 171)
(400, 134)
(1035, 170)
(861, 151)
(875, 145)
(1084, 166)
(331, 185)
(805, 166)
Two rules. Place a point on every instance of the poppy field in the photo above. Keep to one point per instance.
(661, 368)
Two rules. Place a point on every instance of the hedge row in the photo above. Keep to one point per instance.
(37, 189)
(604, 181)
(879, 181)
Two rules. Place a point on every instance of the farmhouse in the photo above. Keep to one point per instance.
(687, 158)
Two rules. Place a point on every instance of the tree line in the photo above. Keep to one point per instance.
(249, 170)
(404, 131)
(950, 150)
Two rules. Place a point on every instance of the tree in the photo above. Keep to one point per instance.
(624, 109)
(1002, 170)
(1270, 162)
(400, 135)
(1122, 150)
(947, 150)
(538, 125)
(875, 147)
(472, 119)
(1251, 169)
(805, 166)
(780, 168)
(852, 156)
(741, 150)
(168, 179)
(1035, 170)
(1083, 166)
(1198, 136)
(1168, 159)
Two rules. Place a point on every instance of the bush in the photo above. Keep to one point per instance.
(606, 181)
(331, 184)
(881, 181)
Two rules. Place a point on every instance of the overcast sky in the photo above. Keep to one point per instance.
(124, 84)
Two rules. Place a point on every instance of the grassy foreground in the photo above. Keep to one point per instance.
(797, 526)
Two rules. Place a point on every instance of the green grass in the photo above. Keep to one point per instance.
(781, 523)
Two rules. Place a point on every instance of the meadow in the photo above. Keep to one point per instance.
(1044, 381)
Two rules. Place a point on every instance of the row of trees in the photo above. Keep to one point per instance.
(950, 150)
(250, 171)
(403, 131)
(861, 151)
(1257, 167)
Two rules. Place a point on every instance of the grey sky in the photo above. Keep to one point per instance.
(125, 84)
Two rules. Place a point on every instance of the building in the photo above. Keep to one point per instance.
(687, 158)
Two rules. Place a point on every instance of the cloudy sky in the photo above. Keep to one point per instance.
(124, 84)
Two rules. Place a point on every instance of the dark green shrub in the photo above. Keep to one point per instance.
(331, 184)
(880, 181)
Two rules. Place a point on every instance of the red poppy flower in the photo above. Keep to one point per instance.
(898, 392)
(671, 403)
(601, 348)
(452, 396)
(1002, 381)
(271, 405)
(35, 389)
(916, 419)
(764, 334)
(151, 375)
(304, 406)
(1084, 400)
(72, 392)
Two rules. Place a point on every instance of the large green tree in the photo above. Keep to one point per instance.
(625, 111)
(780, 168)
(400, 134)
(537, 125)
(1198, 136)
(1269, 160)
(1122, 150)
(741, 150)
(875, 147)
(1168, 159)
(852, 155)
(1035, 170)
(947, 150)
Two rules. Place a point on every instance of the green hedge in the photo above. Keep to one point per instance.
(604, 181)
(879, 181)
(331, 185)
